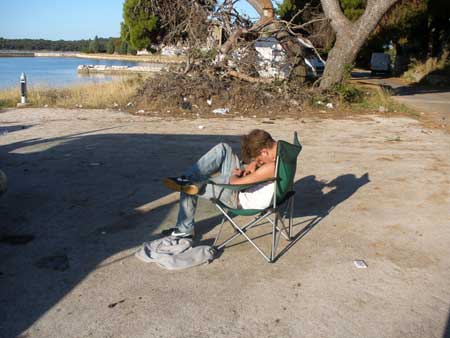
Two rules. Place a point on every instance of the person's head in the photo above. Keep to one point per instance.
(258, 146)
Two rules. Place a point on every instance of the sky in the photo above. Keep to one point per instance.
(67, 19)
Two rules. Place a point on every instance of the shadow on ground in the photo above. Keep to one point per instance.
(447, 327)
(314, 200)
(69, 204)
(10, 129)
(62, 191)
(396, 86)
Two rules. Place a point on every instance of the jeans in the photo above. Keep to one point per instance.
(219, 161)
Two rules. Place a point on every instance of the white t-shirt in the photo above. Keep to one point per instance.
(257, 197)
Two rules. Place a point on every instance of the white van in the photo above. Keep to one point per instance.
(380, 63)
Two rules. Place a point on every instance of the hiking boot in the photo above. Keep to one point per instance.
(181, 184)
(177, 233)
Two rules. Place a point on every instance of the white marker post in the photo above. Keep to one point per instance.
(23, 91)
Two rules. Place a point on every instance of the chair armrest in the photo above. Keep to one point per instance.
(239, 187)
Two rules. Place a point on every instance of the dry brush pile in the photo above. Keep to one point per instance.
(227, 75)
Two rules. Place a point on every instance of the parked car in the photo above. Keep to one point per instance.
(3, 183)
(380, 63)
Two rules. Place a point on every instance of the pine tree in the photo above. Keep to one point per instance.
(110, 46)
(94, 45)
(123, 48)
(140, 27)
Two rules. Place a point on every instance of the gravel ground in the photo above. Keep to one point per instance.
(371, 188)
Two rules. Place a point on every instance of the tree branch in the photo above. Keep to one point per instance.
(372, 15)
(333, 11)
(248, 78)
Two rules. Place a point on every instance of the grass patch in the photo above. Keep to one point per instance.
(419, 71)
(360, 98)
(99, 95)
(380, 99)
(354, 98)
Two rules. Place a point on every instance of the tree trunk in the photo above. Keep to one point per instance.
(339, 60)
(350, 37)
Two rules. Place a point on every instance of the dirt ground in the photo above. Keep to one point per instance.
(370, 188)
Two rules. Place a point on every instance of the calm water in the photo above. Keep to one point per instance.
(51, 71)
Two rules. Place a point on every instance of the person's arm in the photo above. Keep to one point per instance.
(264, 172)
(251, 167)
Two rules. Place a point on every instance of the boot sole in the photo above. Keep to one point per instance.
(190, 189)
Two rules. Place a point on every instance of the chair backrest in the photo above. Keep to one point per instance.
(286, 166)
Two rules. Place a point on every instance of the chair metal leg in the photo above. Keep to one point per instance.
(291, 214)
(280, 229)
(242, 232)
(244, 228)
(274, 237)
(220, 231)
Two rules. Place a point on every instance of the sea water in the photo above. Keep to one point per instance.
(53, 71)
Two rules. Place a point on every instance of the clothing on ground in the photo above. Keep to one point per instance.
(174, 253)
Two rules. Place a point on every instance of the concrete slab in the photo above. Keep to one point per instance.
(373, 188)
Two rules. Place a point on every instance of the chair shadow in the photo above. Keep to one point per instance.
(318, 204)
(313, 197)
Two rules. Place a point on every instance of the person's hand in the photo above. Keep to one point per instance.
(237, 172)
(250, 168)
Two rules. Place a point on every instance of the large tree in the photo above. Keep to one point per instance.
(351, 31)
(140, 26)
(153, 21)
(350, 36)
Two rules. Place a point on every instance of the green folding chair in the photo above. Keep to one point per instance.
(282, 206)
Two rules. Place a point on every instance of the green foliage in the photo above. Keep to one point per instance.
(41, 44)
(140, 27)
(110, 46)
(131, 50)
(416, 29)
(349, 93)
(94, 45)
(353, 9)
(347, 72)
(50, 45)
(123, 49)
(287, 9)
(404, 28)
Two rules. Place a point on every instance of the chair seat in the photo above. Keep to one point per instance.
(240, 212)
(252, 212)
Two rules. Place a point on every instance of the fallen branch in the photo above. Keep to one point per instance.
(248, 78)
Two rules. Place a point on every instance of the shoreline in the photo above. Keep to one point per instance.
(118, 70)
(118, 57)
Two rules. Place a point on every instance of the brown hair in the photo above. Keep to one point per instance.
(254, 142)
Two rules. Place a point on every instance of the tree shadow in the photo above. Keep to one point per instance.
(10, 129)
(414, 89)
(447, 327)
(70, 207)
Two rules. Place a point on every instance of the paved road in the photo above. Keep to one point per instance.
(435, 102)
(425, 100)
